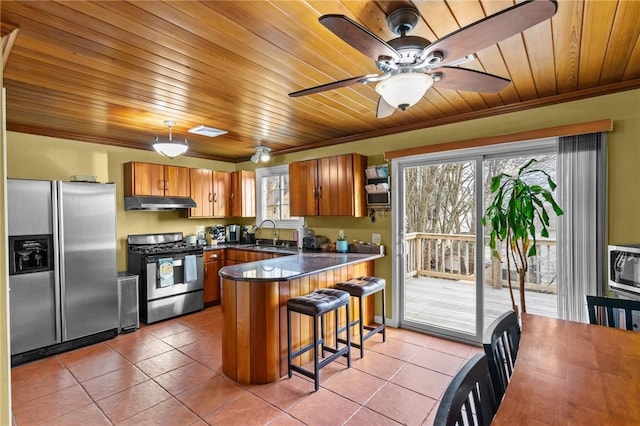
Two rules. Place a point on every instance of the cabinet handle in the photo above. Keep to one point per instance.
(215, 197)
(233, 195)
(319, 192)
(213, 256)
(210, 197)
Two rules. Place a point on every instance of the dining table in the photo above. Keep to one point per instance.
(571, 373)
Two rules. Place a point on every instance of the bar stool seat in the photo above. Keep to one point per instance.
(318, 304)
(362, 287)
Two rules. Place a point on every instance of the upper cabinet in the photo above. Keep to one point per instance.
(201, 192)
(330, 186)
(221, 194)
(243, 193)
(156, 179)
(210, 190)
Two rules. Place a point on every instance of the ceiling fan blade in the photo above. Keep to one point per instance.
(492, 29)
(358, 37)
(469, 80)
(330, 86)
(384, 109)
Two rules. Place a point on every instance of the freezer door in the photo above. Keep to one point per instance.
(29, 207)
(33, 297)
(32, 311)
(87, 217)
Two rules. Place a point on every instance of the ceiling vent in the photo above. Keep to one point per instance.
(203, 130)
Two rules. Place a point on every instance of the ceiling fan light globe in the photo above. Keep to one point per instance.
(170, 149)
(405, 89)
(265, 156)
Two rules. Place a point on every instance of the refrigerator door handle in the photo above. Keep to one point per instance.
(58, 234)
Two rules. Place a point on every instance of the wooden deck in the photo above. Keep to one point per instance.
(451, 304)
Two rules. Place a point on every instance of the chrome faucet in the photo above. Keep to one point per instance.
(275, 230)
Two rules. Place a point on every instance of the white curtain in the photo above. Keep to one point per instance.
(581, 247)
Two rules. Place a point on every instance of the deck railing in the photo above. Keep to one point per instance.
(452, 256)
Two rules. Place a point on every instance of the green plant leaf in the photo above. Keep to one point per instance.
(551, 183)
(495, 182)
(545, 217)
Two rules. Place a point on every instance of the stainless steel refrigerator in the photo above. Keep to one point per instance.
(62, 266)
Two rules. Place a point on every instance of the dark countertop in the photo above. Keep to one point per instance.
(287, 268)
(264, 248)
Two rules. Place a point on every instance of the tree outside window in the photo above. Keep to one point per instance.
(273, 197)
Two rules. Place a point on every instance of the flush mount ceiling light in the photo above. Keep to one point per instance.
(203, 130)
(262, 154)
(168, 147)
(404, 89)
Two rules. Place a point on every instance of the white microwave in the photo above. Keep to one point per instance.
(624, 268)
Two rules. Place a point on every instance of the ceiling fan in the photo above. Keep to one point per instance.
(411, 64)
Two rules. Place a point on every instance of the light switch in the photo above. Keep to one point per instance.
(375, 238)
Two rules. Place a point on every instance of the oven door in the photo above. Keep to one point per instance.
(167, 276)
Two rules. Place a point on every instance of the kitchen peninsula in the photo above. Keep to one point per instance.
(254, 307)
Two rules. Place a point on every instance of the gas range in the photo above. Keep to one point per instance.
(171, 275)
(168, 248)
(154, 245)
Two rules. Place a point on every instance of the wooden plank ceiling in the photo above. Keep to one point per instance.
(112, 71)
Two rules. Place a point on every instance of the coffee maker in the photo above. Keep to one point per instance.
(234, 233)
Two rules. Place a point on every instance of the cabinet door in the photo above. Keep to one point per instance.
(144, 179)
(221, 194)
(201, 182)
(341, 185)
(213, 263)
(303, 188)
(243, 193)
(176, 181)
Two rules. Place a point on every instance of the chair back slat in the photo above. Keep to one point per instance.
(469, 399)
(604, 310)
(501, 343)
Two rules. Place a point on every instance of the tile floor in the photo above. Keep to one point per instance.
(169, 373)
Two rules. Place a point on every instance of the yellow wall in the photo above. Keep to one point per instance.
(46, 158)
(39, 157)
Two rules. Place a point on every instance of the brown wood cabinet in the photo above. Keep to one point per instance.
(330, 186)
(211, 191)
(243, 193)
(201, 192)
(221, 194)
(235, 257)
(156, 179)
(213, 261)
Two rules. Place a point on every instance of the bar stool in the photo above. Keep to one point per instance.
(317, 304)
(362, 287)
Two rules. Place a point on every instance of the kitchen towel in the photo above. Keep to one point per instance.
(190, 269)
(165, 270)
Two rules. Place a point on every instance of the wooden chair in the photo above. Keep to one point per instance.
(501, 342)
(469, 398)
(613, 309)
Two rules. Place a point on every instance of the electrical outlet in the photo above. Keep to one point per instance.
(375, 238)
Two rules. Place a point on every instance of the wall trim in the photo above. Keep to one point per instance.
(549, 132)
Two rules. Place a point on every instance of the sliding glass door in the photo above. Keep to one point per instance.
(449, 284)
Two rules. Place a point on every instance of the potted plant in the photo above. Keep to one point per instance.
(518, 207)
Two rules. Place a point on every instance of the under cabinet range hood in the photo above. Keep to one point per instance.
(153, 203)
